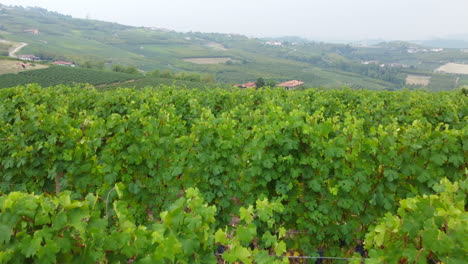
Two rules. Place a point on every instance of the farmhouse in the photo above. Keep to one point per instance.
(23, 66)
(246, 85)
(369, 62)
(64, 63)
(33, 31)
(397, 65)
(28, 58)
(274, 43)
(290, 84)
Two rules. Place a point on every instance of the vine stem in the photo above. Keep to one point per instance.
(419, 254)
(107, 201)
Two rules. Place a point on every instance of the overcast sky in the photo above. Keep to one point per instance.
(314, 19)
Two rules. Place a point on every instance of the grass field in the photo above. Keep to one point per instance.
(4, 47)
(453, 68)
(442, 82)
(208, 60)
(463, 81)
(418, 80)
(13, 66)
(216, 46)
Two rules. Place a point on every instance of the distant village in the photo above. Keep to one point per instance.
(382, 65)
(420, 50)
(33, 58)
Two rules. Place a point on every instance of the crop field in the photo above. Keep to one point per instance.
(463, 81)
(332, 162)
(56, 75)
(418, 80)
(208, 60)
(12, 66)
(157, 82)
(443, 82)
(453, 68)
(216, 46)
(4, 48)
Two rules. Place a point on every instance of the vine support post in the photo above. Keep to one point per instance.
(58, 177)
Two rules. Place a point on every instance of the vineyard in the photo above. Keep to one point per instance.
(284, 172)
(148, 81)
(64, 75)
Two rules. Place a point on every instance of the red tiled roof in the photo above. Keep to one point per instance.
(249, 85)
(246, 85)
(292, 83)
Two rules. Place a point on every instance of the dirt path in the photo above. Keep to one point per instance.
(17, 49)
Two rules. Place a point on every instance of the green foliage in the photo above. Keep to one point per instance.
(4, 47)
(260, 82)
(426, 229)
(271, 83)
(270, 247)
(57, 75)
(123, 69)
(184, 76)
(57, 229)
(464, 90)
(93, 65)
(154, 82)
(44, 229)
(341, 158)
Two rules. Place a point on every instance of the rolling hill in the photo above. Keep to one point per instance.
(231, 58)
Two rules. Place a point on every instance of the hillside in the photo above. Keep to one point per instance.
(57, 75)
(231, 58)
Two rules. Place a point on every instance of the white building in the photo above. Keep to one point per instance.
(274, 43)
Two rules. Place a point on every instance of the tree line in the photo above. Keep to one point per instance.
(184, 76)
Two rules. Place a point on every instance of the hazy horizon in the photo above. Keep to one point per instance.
(332, 20)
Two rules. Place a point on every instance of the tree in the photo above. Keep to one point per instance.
(99, 65)
(260, 82)
(208, 78)
(271, 83)
(87, 64)
(155, 73)
(131, 70)
(118, 68)
(167, 74)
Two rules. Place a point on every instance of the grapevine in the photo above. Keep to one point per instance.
(342, 158)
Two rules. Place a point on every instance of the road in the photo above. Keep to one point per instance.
(16, 49)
